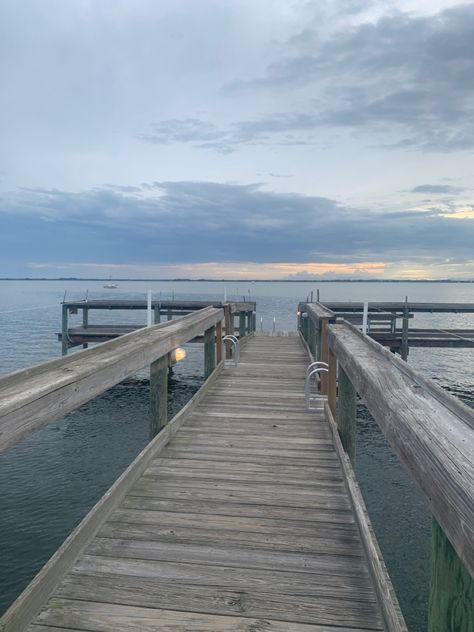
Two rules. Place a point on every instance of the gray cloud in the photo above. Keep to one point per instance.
(186, 221)
(437, 189)
(409, 78)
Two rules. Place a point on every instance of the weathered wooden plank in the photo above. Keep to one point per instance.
(220, 516)
(292, 582)
(324, 607)
(324, 540)
(104, 617)
(432, 433)
(228, 556)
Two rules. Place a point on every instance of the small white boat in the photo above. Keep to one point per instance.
(111, 286)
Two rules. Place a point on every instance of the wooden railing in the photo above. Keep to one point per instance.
(432, 434)
(34, 397)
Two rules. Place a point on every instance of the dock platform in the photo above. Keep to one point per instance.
(242, 522)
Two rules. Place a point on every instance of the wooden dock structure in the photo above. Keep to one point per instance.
(383, 319)
(243, 512)
(239, 316)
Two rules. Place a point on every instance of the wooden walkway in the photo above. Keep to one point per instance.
(242, 522)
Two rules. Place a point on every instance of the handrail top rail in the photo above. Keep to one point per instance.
(400, 306)
(141, 304)
(431, 432)
(317, 312)
(30, 398)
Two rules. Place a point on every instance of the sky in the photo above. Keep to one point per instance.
(284, 139)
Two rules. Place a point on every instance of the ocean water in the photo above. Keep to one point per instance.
(50, 480)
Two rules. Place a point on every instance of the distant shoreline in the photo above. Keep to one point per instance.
(183, 280)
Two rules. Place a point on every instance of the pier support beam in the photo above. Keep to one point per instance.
(331, 381)
(156, 314)
(229, 329)
(64, 328)
(158, 394)
(242, 327)
(85, 322)
(346, 414)
(451, 607)
(219, 341)
(404, 344)
(324, 354)
(209, 351)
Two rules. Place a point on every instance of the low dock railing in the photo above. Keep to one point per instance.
(34, 397)
(431, 432)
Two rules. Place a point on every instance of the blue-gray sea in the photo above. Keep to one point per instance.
(49, 481)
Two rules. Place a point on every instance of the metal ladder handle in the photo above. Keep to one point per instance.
(307, 384)
(236, 345)
(324, 365)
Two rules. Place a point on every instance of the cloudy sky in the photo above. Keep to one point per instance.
(237, 138)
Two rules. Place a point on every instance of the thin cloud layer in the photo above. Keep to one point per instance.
(408, 79)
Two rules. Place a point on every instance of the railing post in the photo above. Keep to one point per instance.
(219, 341)
(451, 605)
(324, 352)
(158, 394)
(156, 314)
(346, 414)
(229, 329)
(332, 381)
(209, 351)
(241, 325)
(405, 322)
(85, 322)
(64, 331)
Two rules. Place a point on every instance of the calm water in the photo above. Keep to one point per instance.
(50, 480)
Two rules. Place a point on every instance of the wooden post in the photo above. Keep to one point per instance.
(346, 414)
(229, 329)
(241, 325)
(451, 605)
(64, 331)
(219, 341)
(254, 321)
(332, 382)
(169, 315)
(158, 394)
(157, 315)
(209, 351)
(324, 353)
(249, 322)
(404, 345)
(85, 322)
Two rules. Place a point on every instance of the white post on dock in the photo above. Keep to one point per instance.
(274, 324)
(225, 294)
(148, 309)
(261, 323)
(365, 317)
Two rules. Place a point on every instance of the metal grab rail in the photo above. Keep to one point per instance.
(236, 346)
(307, 384)
(324, 365)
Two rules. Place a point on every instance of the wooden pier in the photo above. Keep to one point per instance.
(389, 323)
(92, 333)
(243, 512)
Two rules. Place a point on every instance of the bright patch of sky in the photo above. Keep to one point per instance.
(335, 138)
